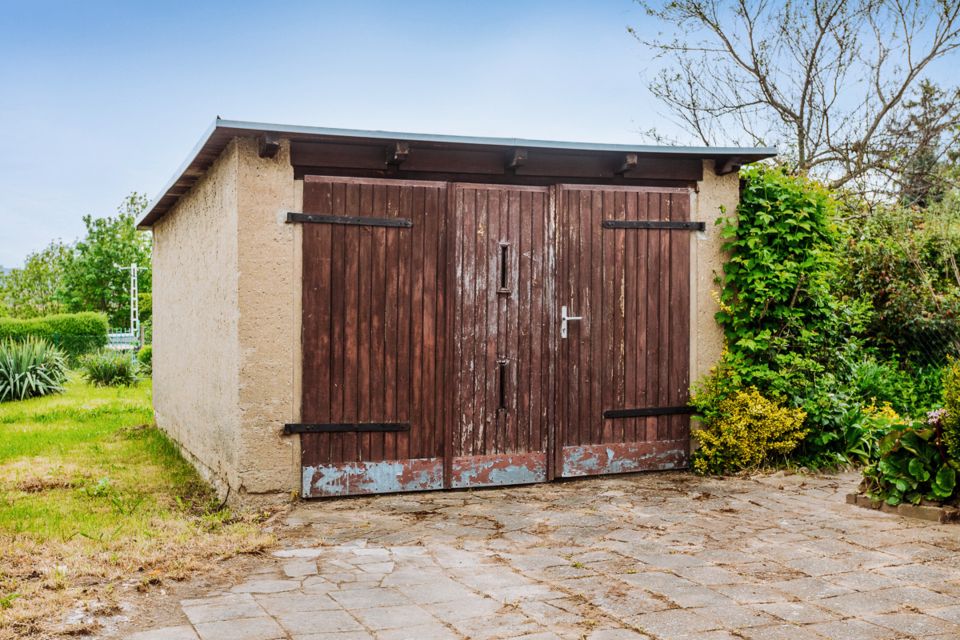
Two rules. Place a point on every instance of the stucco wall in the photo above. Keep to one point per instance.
(196, 323)
(706, 338)
(269, 290)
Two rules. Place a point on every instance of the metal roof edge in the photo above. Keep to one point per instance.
(179, 172)
(493, 141)
(148, 218)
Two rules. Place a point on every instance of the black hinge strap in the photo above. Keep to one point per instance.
(653, 224)
(352, 220)
(345, 427)
(647, 411)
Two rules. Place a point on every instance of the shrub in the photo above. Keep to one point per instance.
(74, 333)
(30, 367)
(913, 391)
(747, 431)
(951, 403)
(902, 262)
(911, 465)
(145, 358)
(787, 332)
(110, 368)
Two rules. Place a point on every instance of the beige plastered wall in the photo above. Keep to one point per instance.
(714, 194)
(196, 363)
(227, 293)
(269, 322)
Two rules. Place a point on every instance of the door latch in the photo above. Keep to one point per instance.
(564, 319)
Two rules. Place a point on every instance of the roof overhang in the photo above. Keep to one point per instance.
(216, 138)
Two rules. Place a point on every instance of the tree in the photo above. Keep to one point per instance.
(92, 280)
(827, 81)
(32, 290)
(929, 155)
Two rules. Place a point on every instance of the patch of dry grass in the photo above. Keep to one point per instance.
(94, 504)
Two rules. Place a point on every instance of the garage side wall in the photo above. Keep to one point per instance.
(706, 337)
(196, 323)
(269, 324)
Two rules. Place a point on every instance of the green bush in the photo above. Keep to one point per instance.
(951, 405)
(748, 431)
(30, 367)
(74, 333)
(145, 358)
(913, 391)
(911, 465)
(788, 333)
(902, 263)
(110, 368)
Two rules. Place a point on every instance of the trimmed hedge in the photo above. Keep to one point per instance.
(74, 333)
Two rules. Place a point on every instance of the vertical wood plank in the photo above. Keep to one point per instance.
(633, 324)
(663, 307)
(578, 331)
(609, 315)
(378, 294)
(363, 321)
(653, 317)
(536, 381)
(417, 436)
(680, 317)
(489, 262)
(404, 314)
(431, 230)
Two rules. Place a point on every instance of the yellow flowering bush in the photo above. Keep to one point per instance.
(746, 432)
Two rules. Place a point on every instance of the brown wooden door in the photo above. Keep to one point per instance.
(623, 370)
(503, 337)
(373, 336)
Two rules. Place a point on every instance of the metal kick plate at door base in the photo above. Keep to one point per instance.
(564, 319)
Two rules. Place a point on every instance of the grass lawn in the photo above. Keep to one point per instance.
(95, 500)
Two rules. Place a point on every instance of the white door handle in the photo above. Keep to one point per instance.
(564, 319)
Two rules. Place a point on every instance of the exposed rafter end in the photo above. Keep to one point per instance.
(397, 153)
(723, 166)
(629, 162)
(516, 158)
(268, 145)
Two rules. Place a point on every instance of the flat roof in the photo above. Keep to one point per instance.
(219, 134)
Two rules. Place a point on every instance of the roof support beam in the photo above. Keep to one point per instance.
(268, 145)
(630, 161)
(723, 166)
(397, 153)
(516, 158)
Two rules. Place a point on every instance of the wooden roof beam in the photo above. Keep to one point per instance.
(630, 161)
(516, 158)
(397, 153)
(268, 145)
(731, 164)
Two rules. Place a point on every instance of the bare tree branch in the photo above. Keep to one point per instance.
(828, 81)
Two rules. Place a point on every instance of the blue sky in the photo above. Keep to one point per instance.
(99, 98)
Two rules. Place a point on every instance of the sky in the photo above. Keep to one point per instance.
(98, 99)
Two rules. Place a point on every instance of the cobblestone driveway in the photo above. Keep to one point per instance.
(647, 556)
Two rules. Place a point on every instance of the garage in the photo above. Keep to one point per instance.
(351, 312)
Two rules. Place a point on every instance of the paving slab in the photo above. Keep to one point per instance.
(662, 556)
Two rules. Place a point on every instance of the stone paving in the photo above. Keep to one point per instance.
(665, 556)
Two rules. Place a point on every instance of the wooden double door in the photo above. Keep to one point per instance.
(464, 335)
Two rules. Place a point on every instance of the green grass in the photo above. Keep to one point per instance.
(92, 494)
(86, 463)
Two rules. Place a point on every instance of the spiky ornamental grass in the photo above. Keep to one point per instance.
(109, 368)
(29, 368)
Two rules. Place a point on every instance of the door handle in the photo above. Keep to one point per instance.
(564, 319)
